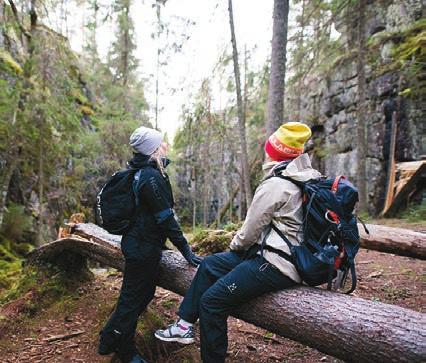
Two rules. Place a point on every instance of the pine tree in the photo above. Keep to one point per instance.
(245, 171)
(278, 66)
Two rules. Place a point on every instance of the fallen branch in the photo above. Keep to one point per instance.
(63, 336)
(350, 328)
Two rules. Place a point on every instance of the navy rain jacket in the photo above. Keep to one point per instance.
(154, 221)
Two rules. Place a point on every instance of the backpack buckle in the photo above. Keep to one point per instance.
(332, 217)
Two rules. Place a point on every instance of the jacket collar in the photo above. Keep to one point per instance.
(139, 161)
(299, 168)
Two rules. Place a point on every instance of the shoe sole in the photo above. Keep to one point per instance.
(175, 339)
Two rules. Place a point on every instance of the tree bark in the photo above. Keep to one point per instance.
(241, 117)
(233, 194)
(349, 328)
(5, 177)
(399, 241)
(278, 67)
(157, 66)
(361, 121)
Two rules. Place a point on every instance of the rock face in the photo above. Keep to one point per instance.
(329, 99)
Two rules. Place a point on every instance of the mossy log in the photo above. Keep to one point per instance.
(350, 328)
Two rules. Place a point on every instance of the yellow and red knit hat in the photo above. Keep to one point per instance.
(288, 141)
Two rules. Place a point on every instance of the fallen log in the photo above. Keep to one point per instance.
(350, 328)
(399, 241)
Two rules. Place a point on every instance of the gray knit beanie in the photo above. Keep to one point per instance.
(145, 140)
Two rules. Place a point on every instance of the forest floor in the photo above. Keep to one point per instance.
(67, 330)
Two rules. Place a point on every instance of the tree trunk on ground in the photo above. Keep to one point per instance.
(241, 117)
(278, 67)
(399, 241)
(361, 121)
(349, 328)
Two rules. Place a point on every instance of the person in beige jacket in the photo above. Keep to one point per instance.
(258, 261)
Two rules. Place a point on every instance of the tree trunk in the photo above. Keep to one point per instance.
(361, 111)
(399, 241)
(221, 176)
(301, 77)
(5, 177)
(10, 163)
(40, 220)
(349, 328)
(233, 194)
(278, 67)
(241, 117)
(157, 66)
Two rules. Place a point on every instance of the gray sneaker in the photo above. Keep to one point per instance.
(176, 333)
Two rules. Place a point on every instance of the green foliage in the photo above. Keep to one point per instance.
(232, 227)
(27, 280)
(16, 222)
(15, 226)
(211, 241)
(67, 119)
(408, 55)
(416, 213)
(46, 285)
(198, 234)
(206, 149)
(10, 271)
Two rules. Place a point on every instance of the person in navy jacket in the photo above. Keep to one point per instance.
(142, 244)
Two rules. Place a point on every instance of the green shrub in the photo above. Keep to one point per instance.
(16, 222)
(416, 213)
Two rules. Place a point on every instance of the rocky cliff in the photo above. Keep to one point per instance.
(396, 36)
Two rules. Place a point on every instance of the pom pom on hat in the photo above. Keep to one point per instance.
(288, 141)
(145, 140)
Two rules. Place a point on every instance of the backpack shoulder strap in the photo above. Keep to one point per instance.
(280, 253)
(137, 179)
(282, 235)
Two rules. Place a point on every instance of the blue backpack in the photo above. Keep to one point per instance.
(330, 232)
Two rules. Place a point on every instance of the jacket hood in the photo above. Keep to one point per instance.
(139, 161)
(299, 169)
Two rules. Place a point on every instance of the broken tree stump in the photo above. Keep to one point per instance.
(350, 328)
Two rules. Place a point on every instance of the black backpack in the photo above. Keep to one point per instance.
(330, 232)
(117, 201)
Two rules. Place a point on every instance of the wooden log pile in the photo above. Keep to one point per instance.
(350, 328)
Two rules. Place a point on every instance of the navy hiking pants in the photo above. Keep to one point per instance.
(223, 282)
(139, 281)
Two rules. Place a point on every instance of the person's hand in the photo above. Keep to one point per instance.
(190, 256)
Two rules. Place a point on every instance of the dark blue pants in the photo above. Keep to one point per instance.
(137, 290)
(223, 282)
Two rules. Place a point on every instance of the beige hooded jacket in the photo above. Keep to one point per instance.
(279, 201)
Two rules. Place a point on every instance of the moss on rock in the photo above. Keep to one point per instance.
(10, 63)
